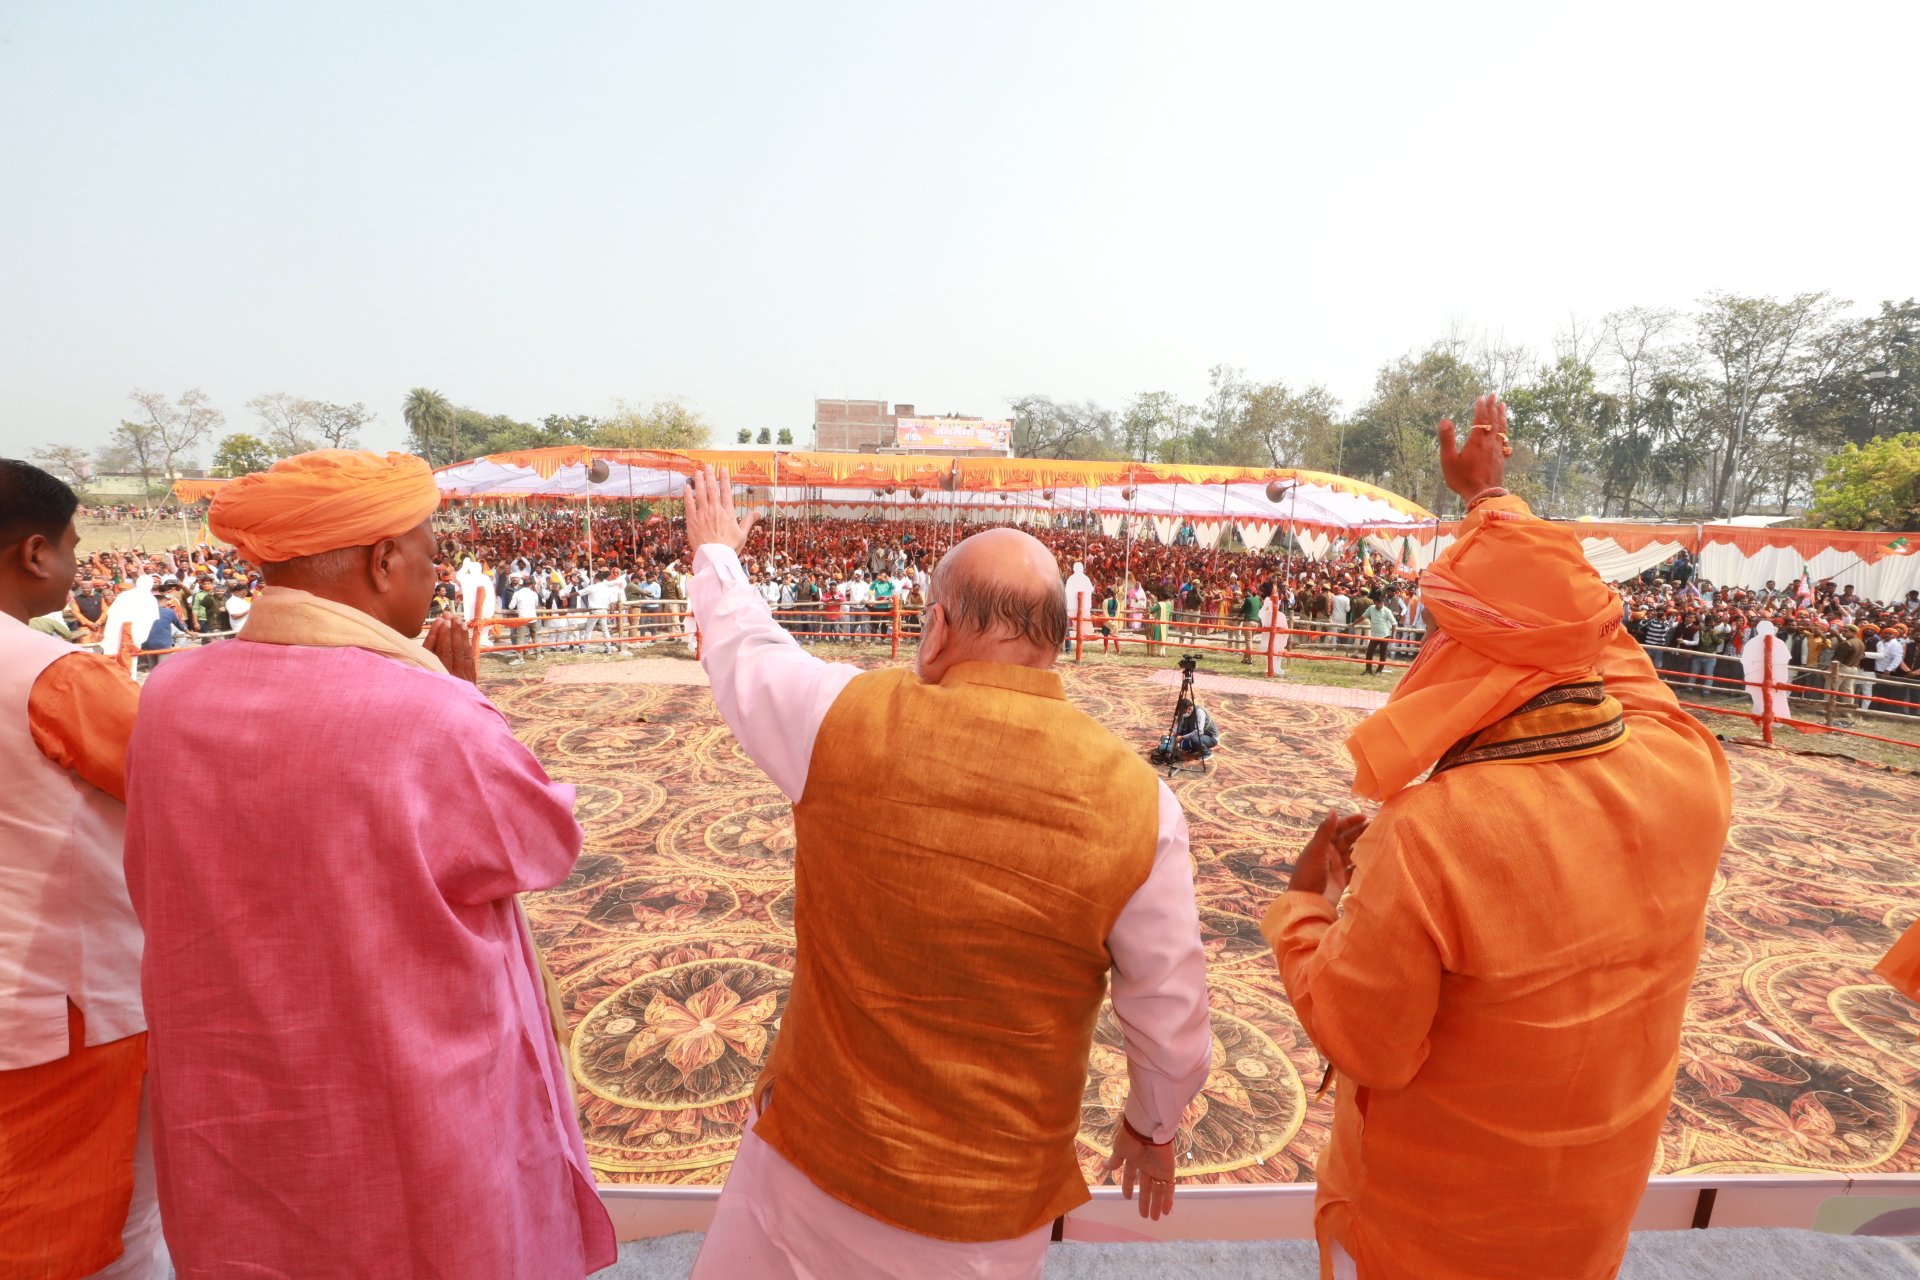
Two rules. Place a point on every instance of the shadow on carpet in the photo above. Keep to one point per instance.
(1730, 1254)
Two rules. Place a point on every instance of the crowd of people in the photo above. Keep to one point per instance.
(554, 580)
(1836, 641)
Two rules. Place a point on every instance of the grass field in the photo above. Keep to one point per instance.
(143, 535)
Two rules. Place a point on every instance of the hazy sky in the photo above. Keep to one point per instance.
(540, 208)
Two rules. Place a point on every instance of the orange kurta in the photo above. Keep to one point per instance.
(81, 716)
(1502, 995)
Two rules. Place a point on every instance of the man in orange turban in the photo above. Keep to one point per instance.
(346, 1010)
(1500, 990)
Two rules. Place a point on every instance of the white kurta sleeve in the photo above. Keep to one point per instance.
(1160, 985)
(772, 693)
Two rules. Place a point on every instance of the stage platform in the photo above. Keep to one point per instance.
(673, 939)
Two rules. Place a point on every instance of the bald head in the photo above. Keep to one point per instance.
(1000, 600)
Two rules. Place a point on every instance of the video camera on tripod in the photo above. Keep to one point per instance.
(1169, 754)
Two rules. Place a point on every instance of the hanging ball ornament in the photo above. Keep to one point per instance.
(915, 491)
(598, 471)
(1126, 494)
(1047, 494)
(1276, 490)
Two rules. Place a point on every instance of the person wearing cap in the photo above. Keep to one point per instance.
(76, 1164)
(357, 1068)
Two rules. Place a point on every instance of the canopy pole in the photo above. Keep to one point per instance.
(588, 496)
(773, 501)
(633, 521)
(1213, 556)
(1293, 512)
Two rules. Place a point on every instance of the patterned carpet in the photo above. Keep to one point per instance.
(672, 942)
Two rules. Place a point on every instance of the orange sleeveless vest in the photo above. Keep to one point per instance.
(963, 851)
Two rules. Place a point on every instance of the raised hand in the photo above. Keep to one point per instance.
(710, 518)
(1481, 463)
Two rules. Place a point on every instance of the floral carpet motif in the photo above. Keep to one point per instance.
(673, 942)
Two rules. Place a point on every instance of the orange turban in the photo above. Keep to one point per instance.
(1517, 610)
(321, 501)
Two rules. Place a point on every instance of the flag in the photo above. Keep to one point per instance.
(1360, 554)
(206, 532)
(1899, 546)
(1803, 589)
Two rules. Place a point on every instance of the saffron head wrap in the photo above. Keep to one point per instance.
(322, 501)
(1517, 610)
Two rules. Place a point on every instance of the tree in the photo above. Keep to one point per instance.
(765, 437)
(1043, 428)
(784, 436)
(1563, 417)
(177, 428)
(1157, 427)
(285, 423)
(578, 428)
(135, 447)
(337, 425)
(1748, 346)
(240, 454)
(430, 421)
(1871, 486)
(67, 462)
(664, 424)
(744, 436)
(1892, 375)
(1635, 350)
(1391, 439)
(1292, 429)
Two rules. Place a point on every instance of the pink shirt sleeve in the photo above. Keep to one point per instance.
(504, 827)
(772, 693)
(1160, 985)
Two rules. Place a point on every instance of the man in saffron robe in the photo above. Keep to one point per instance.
(956, 924)
(354, 1071)
(1500, 989)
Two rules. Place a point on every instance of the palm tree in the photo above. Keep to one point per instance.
(427, 414)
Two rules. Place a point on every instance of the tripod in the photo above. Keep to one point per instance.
(1168, 753)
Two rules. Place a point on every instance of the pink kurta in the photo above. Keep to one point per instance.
(353, 1073)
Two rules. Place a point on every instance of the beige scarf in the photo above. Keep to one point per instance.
(283, 615)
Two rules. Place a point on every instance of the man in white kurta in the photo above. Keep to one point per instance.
(1080, 600)
(476, 591)
(772, 1221)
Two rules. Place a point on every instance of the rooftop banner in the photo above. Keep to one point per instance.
(953, 433)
